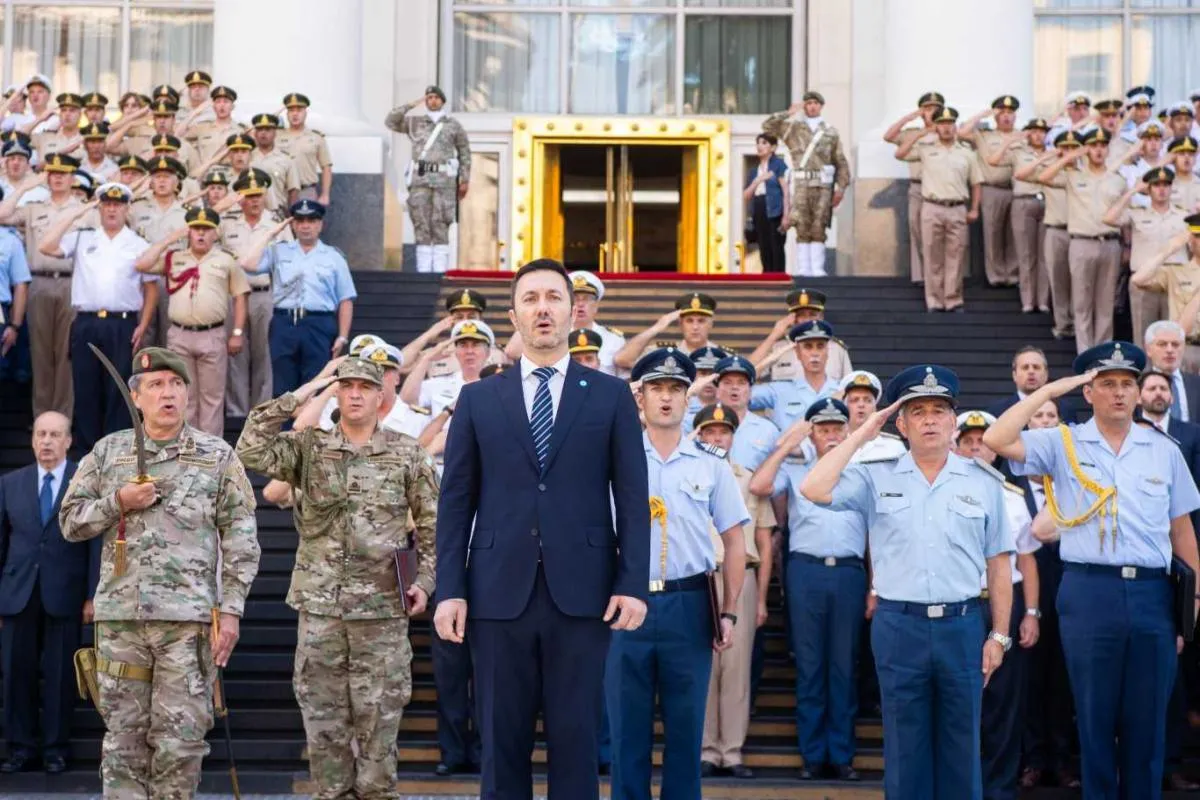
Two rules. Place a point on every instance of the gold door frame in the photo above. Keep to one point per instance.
(536, 174)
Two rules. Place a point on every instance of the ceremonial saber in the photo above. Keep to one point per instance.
(222, 711)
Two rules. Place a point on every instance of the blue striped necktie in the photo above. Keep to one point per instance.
(541, 419)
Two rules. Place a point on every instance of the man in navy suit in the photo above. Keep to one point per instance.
(543, 543)
(1030, 370)
(46, 586)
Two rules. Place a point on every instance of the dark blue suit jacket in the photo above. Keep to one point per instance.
(69, 571)
(1071, 408)
(1188, 436)
(498, 511)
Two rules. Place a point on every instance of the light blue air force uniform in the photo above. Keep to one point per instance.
(929, 547)
(788, 400)
(753, 441)
(14, 270)
(826, 599)
(670, 655)
(1114, 603)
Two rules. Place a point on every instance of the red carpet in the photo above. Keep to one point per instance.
(634, 277)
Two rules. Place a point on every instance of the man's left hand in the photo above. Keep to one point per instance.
(136, 340)
(628, 612)
(1030, 631)
(235, 345)
(418, 598)
(337, 346)
(993, 657)
(323, 199)
(227, 637)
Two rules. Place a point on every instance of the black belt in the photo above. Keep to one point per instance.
(930, 610)
(947, 203)
(914, 180)
(424, 167)
(52, 273)
(692, 583)
(297, 314)
(198, 328)
(1104, 237)
(999, 186)
(1036, 197)
(266, 288)
(1056, 227)
(828, 561)
(103, 314)
(1113, 570)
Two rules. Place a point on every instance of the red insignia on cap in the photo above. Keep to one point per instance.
(145, 361)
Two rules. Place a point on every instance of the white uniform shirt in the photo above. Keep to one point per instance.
(104, 277)
(610, 344)
(1022, 526)
(440, 393)
(401, 419)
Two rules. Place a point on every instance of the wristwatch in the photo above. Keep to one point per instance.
(238, 331)
(1036, 613)
(731, 617)
(1005, 641)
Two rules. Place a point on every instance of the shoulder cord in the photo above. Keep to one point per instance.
(1104, 505)
(658, 511)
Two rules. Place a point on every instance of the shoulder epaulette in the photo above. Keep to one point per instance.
(711, 449)
(843, 344)
(1012, 487)
(317, 132)
(887, 435)
(420, 409)
(990, 470)
(615, 331)
(882, 458)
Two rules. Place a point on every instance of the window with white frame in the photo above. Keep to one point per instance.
(1103, 47)
(648, 57)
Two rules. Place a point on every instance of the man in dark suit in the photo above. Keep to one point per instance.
(1030, 370)
(543, 541)
(46, 586)
(1164, 347)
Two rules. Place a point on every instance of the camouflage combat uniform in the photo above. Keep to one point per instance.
(156, 617)
(814, 178)
(352, 673)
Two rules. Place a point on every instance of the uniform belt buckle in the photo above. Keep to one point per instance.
(830, 561)
(101, 313)
(1129, 573)
(935, 612)
(657, 586)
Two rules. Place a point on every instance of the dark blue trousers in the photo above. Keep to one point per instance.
(604, 738)
(300, 347)
(1050, 713)
(826, 606)
(542, 660)
(669, 656)
(1004, 709)
(458, 735)
(99, 407)
(931, 684)
(17, 365)
(1119, 640)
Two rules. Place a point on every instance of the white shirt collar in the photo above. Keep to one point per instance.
(560, 366)
(57, 472)
(813, 122)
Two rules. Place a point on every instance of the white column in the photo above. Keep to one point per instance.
(971, 52)
(264, 49)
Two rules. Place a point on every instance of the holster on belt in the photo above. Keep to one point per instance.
(88, 664)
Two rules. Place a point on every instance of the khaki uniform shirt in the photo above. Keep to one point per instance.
(152, 222)
(826, 164)
(52, 142)
(1055, 193)
(948, 173)
(761, 516)
(186, 154)
(352, 506)
(210, 137)
(35, 219)
(1152, 232)
(1186, 193)
(987, 143)
(1180, 282)
(194, 550)
(1089, 196)
(1118, 148)
(788, 367)
(237, 236)
(137, 139)
(308, 150)
(284, 176)
(914, 167)
(1018, 156)
(185, 111)
(199, 289)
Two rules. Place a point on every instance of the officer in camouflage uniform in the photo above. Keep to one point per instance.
(175, 549)
(437, 177)
(820, 174)
(355, 486)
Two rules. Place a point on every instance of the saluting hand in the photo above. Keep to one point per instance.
(993, 657)
(874, 424)
(450, 620)
(1068, 384)
(630, 612)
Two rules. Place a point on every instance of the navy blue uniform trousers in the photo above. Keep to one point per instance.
(99, 407)
(669, 656)
(1119, 640)
(826, 606)
(932, 691)
(1050, 711)
(17, 365)
(300, 347)
(458, 735)
(1004, 708)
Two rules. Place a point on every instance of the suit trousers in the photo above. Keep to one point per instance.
(1119, 640)
(944, 241)
(1004, 708)
(457, 733)
(1034, 281)
(547, 660)
(915, 253)
(1055, 248)
(249, 375)
(1050, 713)
(1145, 306)
(50, 317)
(932, 693)
(99, 407)
(27, 639)
(1095, 264)
(995, 206)
(727, 710)
(207, 359)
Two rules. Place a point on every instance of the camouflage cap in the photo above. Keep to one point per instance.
(361, 369)
(154, 359)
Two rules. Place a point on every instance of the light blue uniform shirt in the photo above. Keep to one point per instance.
(818, 530)
(788, 400)
(699, 491)
(753, 441)
(1153, 488)
(314, 281)
(929, 543)
(14, 269)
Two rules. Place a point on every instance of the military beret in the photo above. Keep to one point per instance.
(584, 282)
(437, 90)
(798, 299)
(359, 368)
(1159, 175)
(201, 217)
(165, 90)
(1111, 357)
(157, 359)
(94, 130)
(306, 209)
(59, 162)
(664, 364)
(697, 303)
(811, 330)
(827, 410)
(240, 141)
(707, 357)
(95, 100)
(466, 300)
(584, 340)
(164, 107)
(931, 99)
(1111, 106)
(165, 141)
(813, 95)
(945, 114)
(715, 414)
(215, 177)
(69, 100)
(114, 192)
(1037, 124)
(198, 76)
(1006, 102)
(1184, 144)
(133, 162)
(264, 121)
(974, 420)
(921, 381)
(475, 329)
(252, 181)
(223, 92)
(736, 365)
(166, 164)
(295, 100)
(861, 379)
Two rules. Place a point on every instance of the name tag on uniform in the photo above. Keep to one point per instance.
(966, 498)
(91, 249)
(1087, 464)
(384, 461)
(122, 461)
(891, 494)
(333, 455)
(198, 461)
(1155, 481)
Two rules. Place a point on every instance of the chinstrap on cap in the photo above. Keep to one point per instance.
(663, 364)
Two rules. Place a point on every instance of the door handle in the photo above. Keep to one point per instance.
(603, 256)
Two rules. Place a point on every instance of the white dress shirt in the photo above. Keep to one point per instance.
(56, 479)
(529, 382)
(401, 418)
(104, 278)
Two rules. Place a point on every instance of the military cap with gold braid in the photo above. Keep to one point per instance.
(385, 355)
(799, 299)
(362, 342)
(240, 141)
(164, 107)
(295, 100)
(198, 76)
(715, 414)
(94, 130)
(252, 181)
(156, 359)
(265, 121)
(166, 164)
(975, 420)
(215, 177)
(945, 114)
(584, 282)
(201, 217)
(1096, 135)
(1151, 127)
(827, 410)
(584, 340)
(1068, 138)
(861, 379)
(165, 141)
(133, 162)
(1006, 102)
(466, 300)
(69, 100)
(83, 182)
(358, 368)
(1184, 144)
(697, 303)
(475, 329)
(1193, 224)
(1037, 124)
(665, 363)
(1111, 106)
(1159, 175)
(931, 99)
(58, 162)
(95, 100)
(223, 93)
(165, 90)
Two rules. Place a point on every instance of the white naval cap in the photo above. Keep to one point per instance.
(583, 281)
(1078, 98)
(363, 341)
(1151, 127)
(974, 419)
(383, 354)
(475, 329)
(861, 379)
(114, 190)
(38, 79)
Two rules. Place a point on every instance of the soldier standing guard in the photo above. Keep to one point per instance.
(437, 177)
(180, 545)
(354, 487)
(820, 175)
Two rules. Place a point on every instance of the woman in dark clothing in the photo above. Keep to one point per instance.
(767, 196)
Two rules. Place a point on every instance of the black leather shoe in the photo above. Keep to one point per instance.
(1176, 782)
(19, 762)
(741, 771)
(605, 769)
(707, 769)
(845, 772)
(55, 765)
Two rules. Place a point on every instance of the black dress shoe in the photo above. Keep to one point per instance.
(741, 771)
(845, 772)
(707, 769)
(19, 762)
(1176, 782)
(605, 769)
(54, 765)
